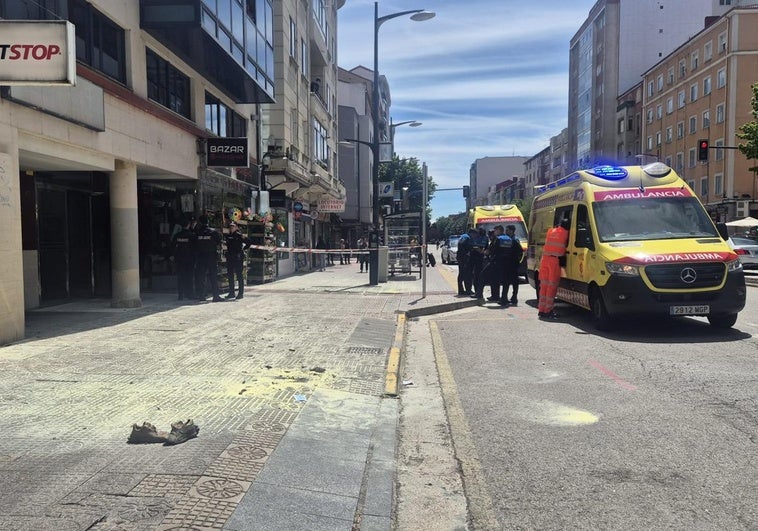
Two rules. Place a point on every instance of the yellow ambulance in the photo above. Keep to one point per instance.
(640, 243)
(489, 216)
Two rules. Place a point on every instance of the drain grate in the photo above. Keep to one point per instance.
(365, 351)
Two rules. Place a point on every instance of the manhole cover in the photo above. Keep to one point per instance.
(365, 350)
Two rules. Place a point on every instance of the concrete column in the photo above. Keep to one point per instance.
(11, 262)
(124, 237)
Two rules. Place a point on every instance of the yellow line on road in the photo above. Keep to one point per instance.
(450, 276)
(482, 511)
(393, 362)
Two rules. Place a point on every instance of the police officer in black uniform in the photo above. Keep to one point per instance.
(477, 262)
(511, 271)
(185, 249)
(235, 256)
(502, 256)
(208, 242)
(465, 246)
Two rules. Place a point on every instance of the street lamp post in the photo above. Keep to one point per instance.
(417, 15)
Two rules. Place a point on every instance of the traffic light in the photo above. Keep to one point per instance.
(466, 190)
(702, 150)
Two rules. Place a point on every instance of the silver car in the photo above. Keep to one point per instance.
(747, 250)
(449, 250)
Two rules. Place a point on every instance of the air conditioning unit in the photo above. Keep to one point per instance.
(743, 209)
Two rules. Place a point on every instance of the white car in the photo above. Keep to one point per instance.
(747, 250)
(449, 250)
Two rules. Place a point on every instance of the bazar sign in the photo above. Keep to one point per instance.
(227, 152)
(37, 52)
(331, 205)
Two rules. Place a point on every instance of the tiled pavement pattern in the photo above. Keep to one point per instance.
(286, 386)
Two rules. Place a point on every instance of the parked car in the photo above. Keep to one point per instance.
(747, 250)
(449, 250)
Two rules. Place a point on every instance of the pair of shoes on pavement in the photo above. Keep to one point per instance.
(148, 434)
(547, 315)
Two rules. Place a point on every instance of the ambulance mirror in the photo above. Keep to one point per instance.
(723, 230)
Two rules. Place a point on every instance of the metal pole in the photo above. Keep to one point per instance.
(374, 251)
(425, 192)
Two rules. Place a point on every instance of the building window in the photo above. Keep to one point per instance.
(650, 116)
(303, 58)
(621, 123)
(658, 138)
(660, 82)
(682, 69)
(668, 160)
(720, 113)
(649, 143)
(221, 120)
(167, 85)
(694, 60)
(293, 39)
(681, 99)
(693, 92)
(693, 124)
(320, 145)
(722, 42)
(679, 162)
(669, 134)
(706, 119)
(692, 158)
(718, 185)
(708, 51)
(704, 186)
(100, 43)
(719, 152)
(707, 86)
(659, 111)
(670, 76)
(721, 78)
(669, 105)
(650, 88)
(680, 130)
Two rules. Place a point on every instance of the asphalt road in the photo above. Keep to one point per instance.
(556, 426)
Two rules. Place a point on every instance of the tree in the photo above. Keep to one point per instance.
(749, 132)
(408, 173)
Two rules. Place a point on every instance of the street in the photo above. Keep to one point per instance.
(557, 426)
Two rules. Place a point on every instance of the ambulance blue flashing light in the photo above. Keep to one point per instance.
(611, 173)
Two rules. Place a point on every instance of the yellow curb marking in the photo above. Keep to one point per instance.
(393, 363)
(483, 514)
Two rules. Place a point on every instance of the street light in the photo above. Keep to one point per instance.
(393, 126)
(418, 15)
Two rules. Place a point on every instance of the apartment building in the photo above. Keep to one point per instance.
(97, 176)
(629, 129)
(487, 172)
(702, 91)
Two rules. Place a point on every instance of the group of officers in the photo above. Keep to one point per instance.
(490, 259)
(196, 248)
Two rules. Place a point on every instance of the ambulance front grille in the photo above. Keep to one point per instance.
(686, 276)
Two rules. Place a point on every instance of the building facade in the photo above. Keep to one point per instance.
(702, 91)
(487, 172)
(98, 176)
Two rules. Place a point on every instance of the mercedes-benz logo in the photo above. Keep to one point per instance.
(688, 275)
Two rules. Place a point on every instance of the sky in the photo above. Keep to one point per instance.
(487, 78)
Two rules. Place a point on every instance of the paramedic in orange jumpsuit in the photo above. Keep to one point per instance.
(550, 268)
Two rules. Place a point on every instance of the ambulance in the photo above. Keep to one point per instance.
(640, 243)
(490, 216)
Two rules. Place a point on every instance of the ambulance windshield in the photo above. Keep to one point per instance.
(520, 227)
(652, 219)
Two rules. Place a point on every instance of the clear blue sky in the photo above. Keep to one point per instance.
(486, 78)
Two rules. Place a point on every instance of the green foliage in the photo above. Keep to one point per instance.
(454, 224)
(749, 132)
(408, 173)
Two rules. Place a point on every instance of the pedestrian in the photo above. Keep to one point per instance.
(363, 256)
(329, 255)
(479, 246)
(553, 252)
(208, 243)
(321, 257)
(343, 256)
(511, 270)
(235, 258)
(185, 249)
(502, 259)
(465, 247)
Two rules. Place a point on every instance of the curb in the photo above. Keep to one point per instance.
(441, 308)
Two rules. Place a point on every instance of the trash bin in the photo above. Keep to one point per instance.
(383, 260)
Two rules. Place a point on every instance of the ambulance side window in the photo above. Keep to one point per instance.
(583, 230)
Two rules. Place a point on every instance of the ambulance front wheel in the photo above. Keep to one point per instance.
(723, 321)
(599, 313)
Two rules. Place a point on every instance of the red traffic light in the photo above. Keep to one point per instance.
(702, 150)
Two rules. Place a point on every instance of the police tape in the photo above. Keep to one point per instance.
(323, 251)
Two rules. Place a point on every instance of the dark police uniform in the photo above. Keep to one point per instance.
(465, 276)
(185, 243)
(235, 257)
(479, 244)
(511, 278)
(503, 257)
(208, 241)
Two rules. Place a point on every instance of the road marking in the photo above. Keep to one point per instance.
(615, 377)
(393, 361)
(483, 514)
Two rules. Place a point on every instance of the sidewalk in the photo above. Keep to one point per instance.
(287, 386)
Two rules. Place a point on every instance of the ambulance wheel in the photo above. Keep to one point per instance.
(599, 314)
(722, 321)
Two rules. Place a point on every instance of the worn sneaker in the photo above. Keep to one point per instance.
(182, 432)
(146, 434)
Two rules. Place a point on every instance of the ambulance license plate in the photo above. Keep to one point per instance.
(702, 309)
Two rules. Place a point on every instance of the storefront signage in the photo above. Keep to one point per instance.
(331, 205)
(226, 152)
(37, 52)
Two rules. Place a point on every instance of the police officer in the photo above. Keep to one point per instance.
(478, 248)
(501, 254)
(465, 247)
(511, 270)
(208, 242)
(235, 256)
(185, 248)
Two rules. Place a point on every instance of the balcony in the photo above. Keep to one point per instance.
(184, 27)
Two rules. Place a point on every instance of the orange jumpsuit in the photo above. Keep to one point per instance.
(550, 269)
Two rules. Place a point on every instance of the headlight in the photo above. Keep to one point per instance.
(622, 269)
(734, 265)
